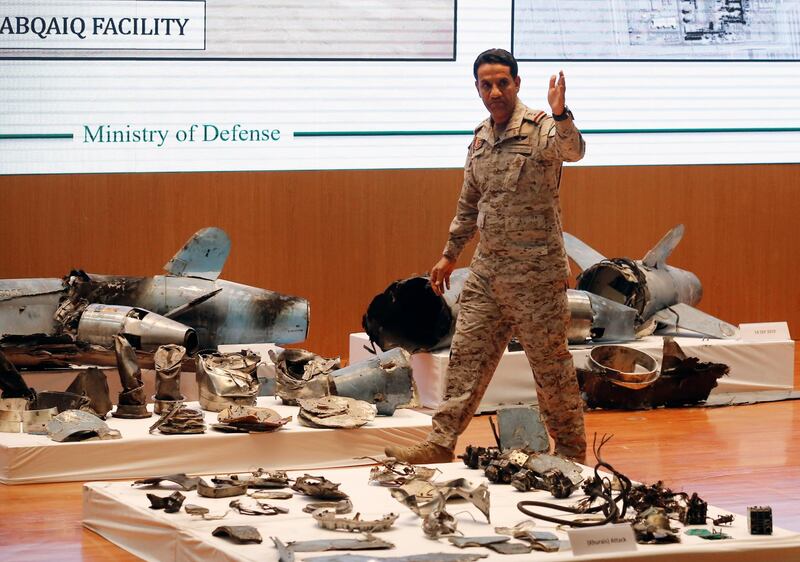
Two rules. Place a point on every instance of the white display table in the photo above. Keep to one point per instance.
(36, 458)
(754, 366)
(121, 514)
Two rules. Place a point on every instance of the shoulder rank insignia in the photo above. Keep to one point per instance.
(538, 117)
(477, 143)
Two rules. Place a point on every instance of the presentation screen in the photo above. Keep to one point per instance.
(105, 86)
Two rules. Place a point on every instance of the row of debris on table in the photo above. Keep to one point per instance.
(608, 497)
(328, 395)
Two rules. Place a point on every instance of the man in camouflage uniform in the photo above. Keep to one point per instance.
(517, 282)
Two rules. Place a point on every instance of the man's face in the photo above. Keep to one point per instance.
(498, 90)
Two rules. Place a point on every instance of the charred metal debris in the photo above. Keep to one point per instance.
(621, 377)
(385, 380)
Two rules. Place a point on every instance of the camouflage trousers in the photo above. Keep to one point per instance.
(493, 308)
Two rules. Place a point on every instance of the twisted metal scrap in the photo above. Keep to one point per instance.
(598, 487)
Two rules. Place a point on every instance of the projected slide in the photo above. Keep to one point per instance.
(229, 29)
(744, 30)
(96, 86)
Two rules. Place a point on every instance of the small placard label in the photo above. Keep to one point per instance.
(608, 538)
(764, 331)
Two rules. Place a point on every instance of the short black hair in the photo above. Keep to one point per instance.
(496, 56)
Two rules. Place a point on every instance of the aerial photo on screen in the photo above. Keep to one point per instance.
(740, 30)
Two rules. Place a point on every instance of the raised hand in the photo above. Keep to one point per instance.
(556, 93)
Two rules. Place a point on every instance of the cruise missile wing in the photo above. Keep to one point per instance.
(580, 252)
(689, 318)
(203, 255)
(657, 256)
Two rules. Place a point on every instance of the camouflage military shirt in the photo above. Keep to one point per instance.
(510, 193)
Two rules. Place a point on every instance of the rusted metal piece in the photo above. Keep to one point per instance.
(62, 401)
(393, 473)
(368, 542)
(683, 381)
(168, 360)
(207, 490)
(192, 509)
(328, 520)
(252, 506)
(652, 527)
(204, 512)
(180, 419)
(442, 491)
(270, 495)
(439, 523)
(170, 504)
(187, 483)
(259, 479)
(239, 534)
(132, 401)
(12, 384)
(303, 374)
(318, 487)
(93, 384)
(250, 418)
(226, 379)
(337, 412)
(340, 507)
(74, 425)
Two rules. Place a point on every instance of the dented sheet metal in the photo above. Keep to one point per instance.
(168, 361)
(207, 490)
(445, 491)
(318, 487)
(259, 479)
(185, 482)
(303, 374)
(384, 380)
(225, 379)
(467, 542)
(132, 403)
(239, 534)
(368, 542)
(74, 425)
(170, 504)
(393, 473)
(336, 412)
(252, 506)
(328, 520)
(180, 419)
(521, 427)
(250, 418)
(93, 384)
(340, 507)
